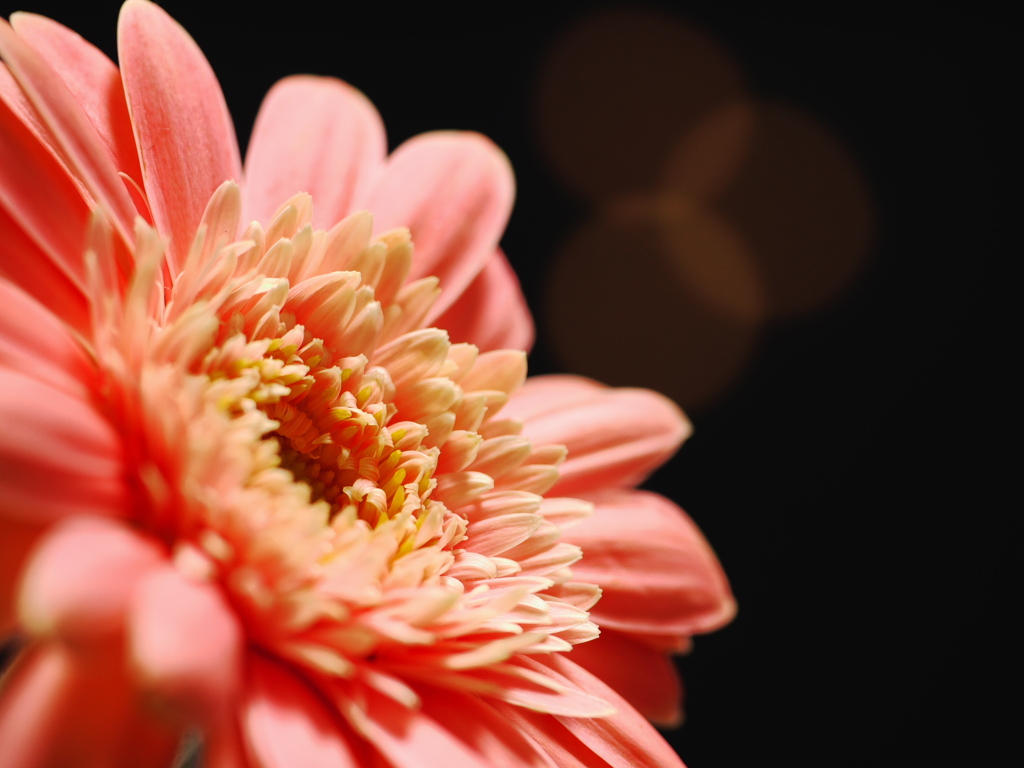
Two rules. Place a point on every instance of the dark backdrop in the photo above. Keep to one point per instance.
(846, 467)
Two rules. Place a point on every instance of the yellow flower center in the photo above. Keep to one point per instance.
(339, 469)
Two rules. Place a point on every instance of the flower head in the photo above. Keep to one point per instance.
(270, 471)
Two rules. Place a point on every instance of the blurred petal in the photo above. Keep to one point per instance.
(224, 747)
(30, 704)
(24, 264)
(58, 456)
(492, 312)
(184, 131)
(185, 642)
(615, 437)
(657, 572)
(316, 135)
(93, 80)
(454, 192)
(643, 676)
(80, 580)
(17, 538)
(286, 723)
(34, 342)
(56, 707)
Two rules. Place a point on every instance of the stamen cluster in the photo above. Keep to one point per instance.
(340, 469)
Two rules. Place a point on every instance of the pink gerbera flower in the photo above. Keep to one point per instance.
(251, 495)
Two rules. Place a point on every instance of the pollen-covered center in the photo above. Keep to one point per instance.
(331, 429)
(347, 477)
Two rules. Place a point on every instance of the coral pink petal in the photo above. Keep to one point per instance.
(12, 95)
(517, 683)
(30, 706)
(185, 643)
(454, 192)
(93, 80)
(480, 727)
(78, 143)
(57, 708)
(43, 219)
(663, 642)
(408, 738)
(492, 311)
(623, 740)
(615, 437)
(657, 572)
(316, 135)
(644, 677)
(81, 578)
(17, 538)
(58, 456)
(551, 737)
(286, 723)
(224, 747)
(26, 265)
(184, 131)
(35, 342)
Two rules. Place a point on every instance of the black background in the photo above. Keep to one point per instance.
(850, 480)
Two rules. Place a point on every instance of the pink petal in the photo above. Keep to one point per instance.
(664, 642)
(184, 131)
(58, 456)
(492, 312)
(479, 726)
(57, 707)
(615, 437)
(27, 266)
(17, 538)
(224, 747)
(519, 682)
(185, 642)
(551, 737)
(77, 142)
(15, 99)
(81, 578)
(657, 572)
(34, 342)
(407, 738)
(30, 704)
(454, 192)
(316, 135)
(623, 740)
(93, 80)
(43, 221)
(644, 677)
(286, 723)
